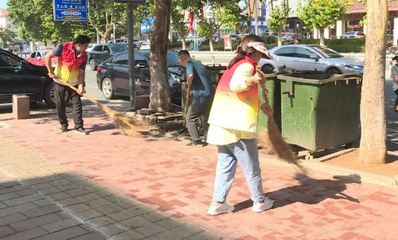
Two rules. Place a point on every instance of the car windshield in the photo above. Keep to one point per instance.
(350, 33)
(118, 47)
(172, 58)
(327, 52)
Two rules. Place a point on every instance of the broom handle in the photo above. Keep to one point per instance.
(186, 106)
(84, 94)
(264, 90)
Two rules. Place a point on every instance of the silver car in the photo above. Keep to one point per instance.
(309, 58)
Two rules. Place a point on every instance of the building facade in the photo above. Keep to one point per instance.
(5, 21)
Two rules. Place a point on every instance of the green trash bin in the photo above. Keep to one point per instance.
(215, 73)
(320, 111)
(274, 94)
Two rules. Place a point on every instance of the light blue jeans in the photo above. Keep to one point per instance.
(245, 151)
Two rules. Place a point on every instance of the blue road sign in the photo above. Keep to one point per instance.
(70, 10)
(261, 23)
(147, 25)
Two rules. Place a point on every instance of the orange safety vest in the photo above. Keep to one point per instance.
(68, 65)
(235, 110)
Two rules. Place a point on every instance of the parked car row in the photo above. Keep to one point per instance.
(29, 76)
(113, 77)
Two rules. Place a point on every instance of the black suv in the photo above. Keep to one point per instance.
(17, 76)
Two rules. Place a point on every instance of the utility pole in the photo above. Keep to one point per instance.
(255, 18)
(131, 61)
(130, 34)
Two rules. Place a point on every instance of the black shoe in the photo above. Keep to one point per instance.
(198, 143)
(81, 131)
(64, 129)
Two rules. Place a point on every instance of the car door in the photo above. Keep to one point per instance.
(119, 74)
(106, 53)
(19, 78)
(307, 60)
(95, 54)
(286, 56)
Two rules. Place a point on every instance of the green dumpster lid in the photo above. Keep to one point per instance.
(317, 78)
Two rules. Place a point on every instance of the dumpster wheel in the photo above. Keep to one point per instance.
(309, 156)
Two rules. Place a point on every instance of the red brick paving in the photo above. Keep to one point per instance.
(178, 180)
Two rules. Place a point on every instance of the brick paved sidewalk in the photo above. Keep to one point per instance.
(56, 203)
(27, 214)
(162, 172)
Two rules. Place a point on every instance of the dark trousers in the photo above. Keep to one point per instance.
(396, 100)
(60, 92)
(196, 111)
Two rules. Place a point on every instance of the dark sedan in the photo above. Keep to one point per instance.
(113, 78)
(101, 52)
(17, 76)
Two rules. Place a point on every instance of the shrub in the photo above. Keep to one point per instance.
(177, 44)
(271, 39)
(340, 45)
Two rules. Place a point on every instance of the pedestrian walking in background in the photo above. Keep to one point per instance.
(233, 126)
(71, 68)
(394, 76)
(201, 89)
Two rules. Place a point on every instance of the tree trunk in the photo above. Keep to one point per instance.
(211, 44)
(322, 36)
(184, 44)
(373, 149)
(280, 37)
(160, 99)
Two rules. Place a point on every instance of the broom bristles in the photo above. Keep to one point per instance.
(129, 126)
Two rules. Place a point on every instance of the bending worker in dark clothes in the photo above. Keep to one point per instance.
(202, 91)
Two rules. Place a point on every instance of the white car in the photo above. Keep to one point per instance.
(349, 35)
(90, 47)
(309, 58)
(145, 45)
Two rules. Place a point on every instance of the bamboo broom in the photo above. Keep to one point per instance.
(184, 123)
(281, 148)
(126, 124)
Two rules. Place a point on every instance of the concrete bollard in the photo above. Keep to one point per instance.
(20, 106)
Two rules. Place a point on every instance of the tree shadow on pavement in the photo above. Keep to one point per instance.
(310, 191)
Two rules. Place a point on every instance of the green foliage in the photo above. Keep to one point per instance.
(230, 17)
(207, 27)
(278, 17)
(320, 14)
(271, 39)
(176, 45)
(6, 35)
(340, 45)
(177, 21)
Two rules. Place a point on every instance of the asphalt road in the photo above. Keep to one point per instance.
(91, 85)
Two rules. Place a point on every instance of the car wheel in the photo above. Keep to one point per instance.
(333, 71)
(49, 96)
(267, 68)
(107, 88)
(92, 64)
